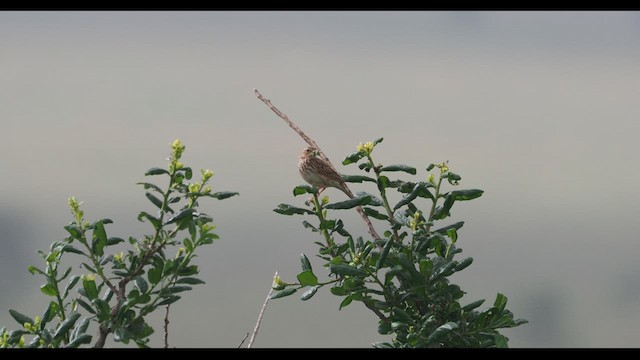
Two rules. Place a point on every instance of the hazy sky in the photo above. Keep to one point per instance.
(539, 109)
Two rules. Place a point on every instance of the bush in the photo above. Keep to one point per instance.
(403, 278)
(121, 288)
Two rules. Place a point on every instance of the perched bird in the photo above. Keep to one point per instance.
(319, 173)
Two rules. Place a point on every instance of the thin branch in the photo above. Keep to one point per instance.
(376, 311)
(365, 218)
(242, 342)
(264, 306)
(166, 327)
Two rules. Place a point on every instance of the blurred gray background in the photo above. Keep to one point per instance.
(539, 109)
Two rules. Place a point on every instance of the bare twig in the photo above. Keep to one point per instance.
(264, 306)
(166, 327)
(242, 342)
(365, 218)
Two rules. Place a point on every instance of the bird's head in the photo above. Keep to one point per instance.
(309, 152)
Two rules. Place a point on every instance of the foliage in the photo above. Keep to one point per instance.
(121, 288)
(404, 277)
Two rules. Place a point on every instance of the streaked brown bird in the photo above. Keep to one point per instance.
(319, 173)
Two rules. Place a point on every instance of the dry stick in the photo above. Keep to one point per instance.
(365, 218)
(242, 342)
(166, 327)
(264, 306)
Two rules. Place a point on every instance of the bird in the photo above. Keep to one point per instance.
(319, 173)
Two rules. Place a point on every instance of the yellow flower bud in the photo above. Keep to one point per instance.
(206, 174)
(193, 188)
(278, 284)
(368, 147)
(431, 179)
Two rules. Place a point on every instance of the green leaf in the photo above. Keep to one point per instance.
(464, 263)
(114, 240)
(408, 169)
(384, 327)
(85, 306)
(441, 331)
(66, 325)
(283, 293)
(72, 282)
(401, 315)
(154, 275)
(221, 195)
(157, 202)
(177, 288)
(473, 305)
(346, 270)
(307, 278)
(153, 220)
(365, 166)
(80, 340)
(151, 186)
(327, 224)
(48, 314)
(309, 226)
(81, 328)
(90, 288)
(348, 204)
(425, 265)
(304, 262)
(155, 171)
(383, 182)
(183, 214)
(353, 158)
(75, 231)
(32, 269)
(99, 238)
(188, 173)
(501, 341)
(443, 230)
(188, 271)
(169, 300)
(20, 318)
(409, 197)
(103, 309)
(339, 291)
(446, 270)
(71, 249)
(356, 178)
(88, 267)
(304, 189)
(431, 166)
(64, 276)
(286, 209)
(500, 303)
(452, 178)
(346, 302)
(443, 211)
(49, 290)
(463, 195)
(377, 141)
(374, 200)
(141, 284)
(309, 293)
(383, 254)
(352, 246)
(453, 235)
(190, 281)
